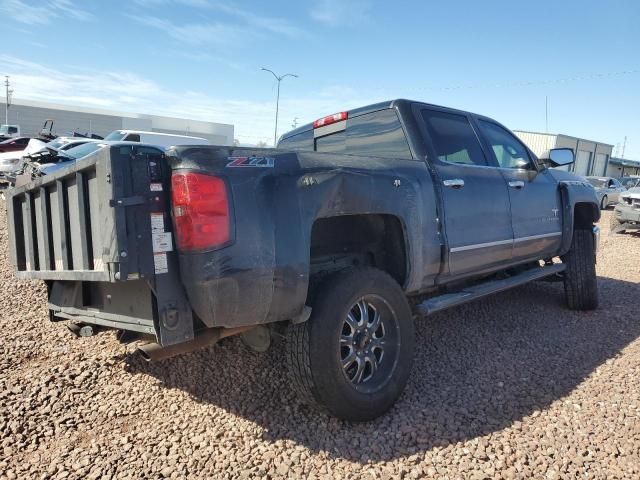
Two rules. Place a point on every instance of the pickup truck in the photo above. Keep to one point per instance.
(9, 131)
(353, 227)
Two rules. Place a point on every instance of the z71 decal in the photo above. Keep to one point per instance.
(252, 161)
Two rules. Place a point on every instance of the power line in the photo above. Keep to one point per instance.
(531, 83)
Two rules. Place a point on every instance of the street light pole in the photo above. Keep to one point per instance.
(279, 78)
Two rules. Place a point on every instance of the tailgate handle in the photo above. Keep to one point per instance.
(127, 201)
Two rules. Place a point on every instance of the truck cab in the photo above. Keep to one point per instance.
(9, 131)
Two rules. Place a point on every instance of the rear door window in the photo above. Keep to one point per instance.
(453, 138)
(375, 134)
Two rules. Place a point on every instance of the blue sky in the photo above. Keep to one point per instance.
(201, 59)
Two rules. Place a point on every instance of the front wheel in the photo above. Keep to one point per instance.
(580, 283)
(354, 354)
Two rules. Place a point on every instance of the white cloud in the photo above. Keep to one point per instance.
(335, 13)
(196, 33)
(41, 13)
(126, 91)
(247, 25)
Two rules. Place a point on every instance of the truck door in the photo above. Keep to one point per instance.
(476, 217)
(536, 212)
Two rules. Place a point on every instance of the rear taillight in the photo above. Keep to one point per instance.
(328, 120)
(200, 211)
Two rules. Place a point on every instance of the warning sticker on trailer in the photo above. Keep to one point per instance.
(157, 222)
(156, 187)
(160, 264)
(162, 242)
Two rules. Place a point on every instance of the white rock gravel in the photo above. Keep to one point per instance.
(514, 386)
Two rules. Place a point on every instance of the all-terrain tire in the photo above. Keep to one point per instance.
(580, 282)
(316, 350)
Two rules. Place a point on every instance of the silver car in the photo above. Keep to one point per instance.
(608, 190)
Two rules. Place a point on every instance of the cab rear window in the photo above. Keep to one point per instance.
(301, 141)
(376, 134)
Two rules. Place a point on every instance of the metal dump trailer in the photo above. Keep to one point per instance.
(99, 234)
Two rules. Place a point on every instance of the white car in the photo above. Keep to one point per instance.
(11, 162)
(155, 138)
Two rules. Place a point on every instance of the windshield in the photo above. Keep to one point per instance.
(598, 182)
(56, 144)
(82, 150)
(630, 182)
(115, 136)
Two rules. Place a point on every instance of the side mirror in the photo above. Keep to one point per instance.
(559, 157)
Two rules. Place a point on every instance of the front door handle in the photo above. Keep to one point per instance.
(516, 184)
(454, 183)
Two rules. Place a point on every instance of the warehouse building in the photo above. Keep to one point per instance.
(623, 167)
(31, 115)
(591, 157)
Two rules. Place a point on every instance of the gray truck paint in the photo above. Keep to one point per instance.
(262, 275)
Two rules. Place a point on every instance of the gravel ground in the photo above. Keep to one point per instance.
(514, 386)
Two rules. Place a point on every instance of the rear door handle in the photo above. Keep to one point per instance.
(516, 184)
(454, 183)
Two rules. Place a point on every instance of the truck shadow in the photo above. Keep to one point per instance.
(478, 368)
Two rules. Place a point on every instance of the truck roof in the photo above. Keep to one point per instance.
(368, 109)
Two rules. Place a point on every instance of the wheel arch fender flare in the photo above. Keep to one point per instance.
(580, 206)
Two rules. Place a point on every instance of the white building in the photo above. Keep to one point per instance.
(623, 167)
(592, 158)
(30, 116)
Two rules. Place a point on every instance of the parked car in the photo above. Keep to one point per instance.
(67, 156)
(626, 215)
(631, 181)
(154, 138)
(608, 190)
(335, 240)
(14, 144)
(48, 153)
(12, 162)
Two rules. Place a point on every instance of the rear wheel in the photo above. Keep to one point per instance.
(604, 203)
(354, 354)
(580, 283)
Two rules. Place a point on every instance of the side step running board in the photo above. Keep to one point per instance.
(449, 300)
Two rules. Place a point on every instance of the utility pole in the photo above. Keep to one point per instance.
(546, 114)
(279, 78)
(7, 98)
(295, 123)
(624, 146)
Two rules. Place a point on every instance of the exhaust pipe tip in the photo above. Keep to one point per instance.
(153, 352)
